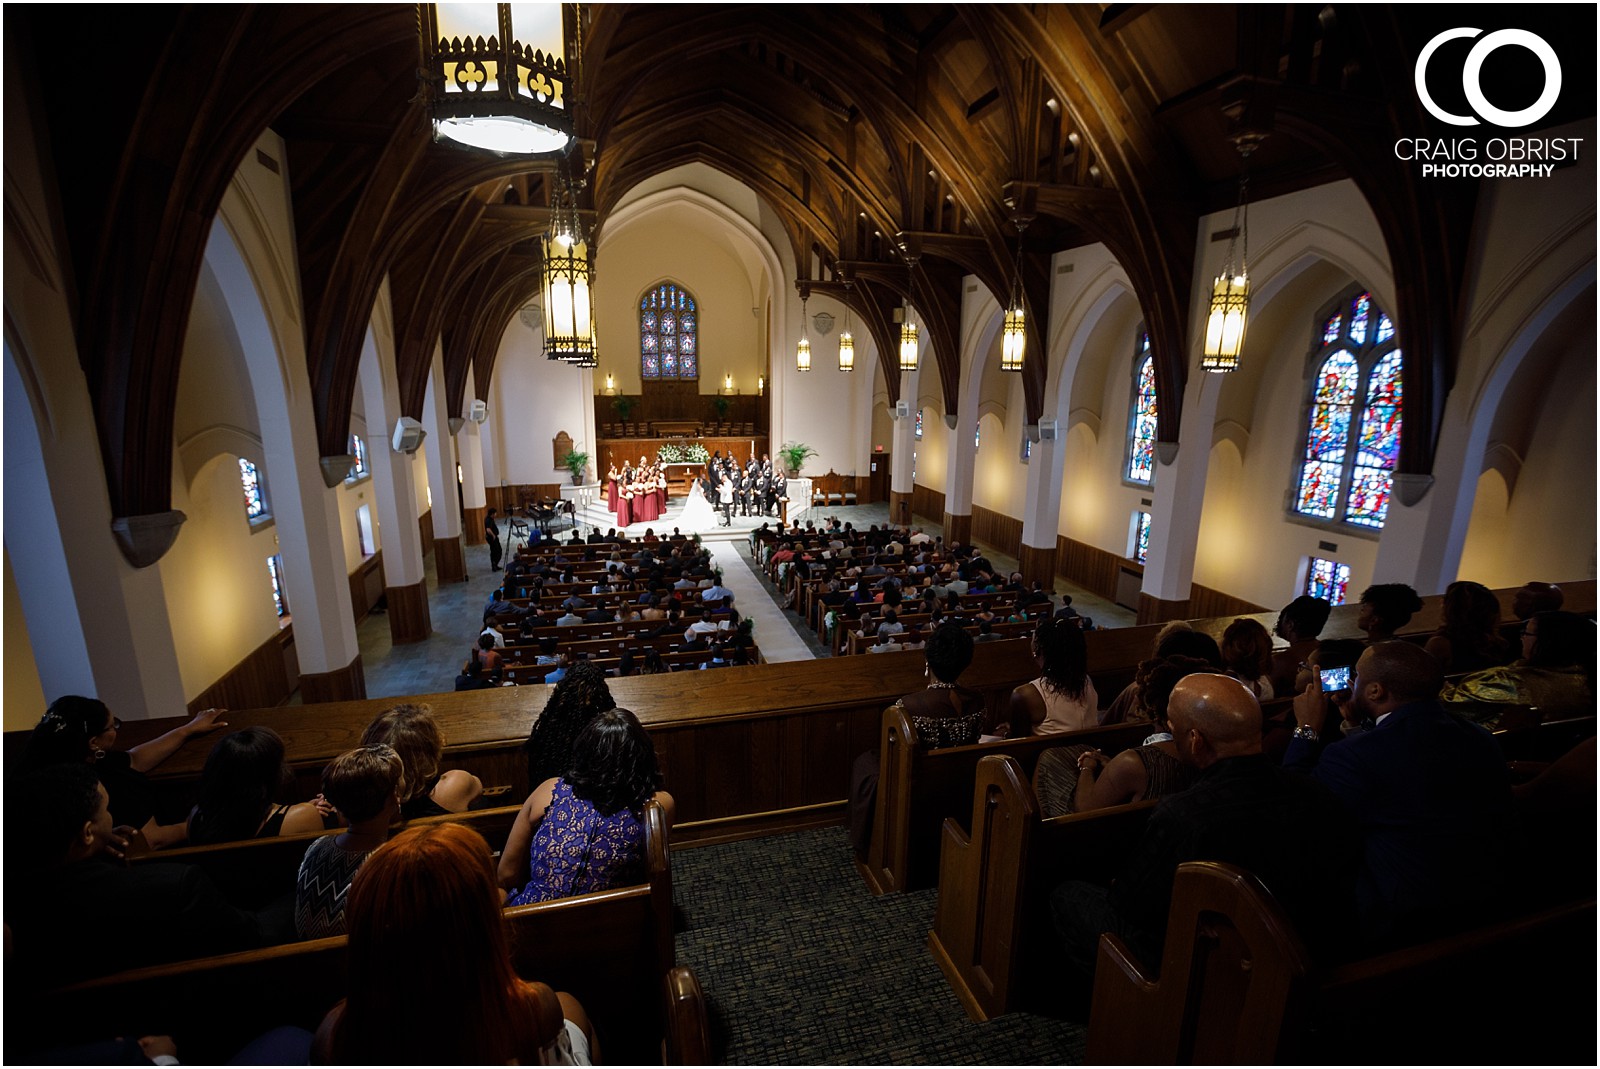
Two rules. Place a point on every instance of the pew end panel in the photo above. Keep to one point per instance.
(1231, 987)
(992, 932)
(688, 1039)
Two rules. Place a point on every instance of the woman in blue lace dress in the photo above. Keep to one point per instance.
(584, 831)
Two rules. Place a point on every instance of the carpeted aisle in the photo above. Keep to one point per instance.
(801, 965)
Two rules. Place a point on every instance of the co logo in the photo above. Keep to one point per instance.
(1472, 72)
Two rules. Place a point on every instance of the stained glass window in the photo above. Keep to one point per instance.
(1027, 448)
(1346, 471)
(279, 600)
(255, 500)
(917, 430)
(358, 449)
(1141, 537)
(1328, 579)
(668, 334)
(977, 435)
(1142, 421)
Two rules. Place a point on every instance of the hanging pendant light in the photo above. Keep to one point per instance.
(847, 341)
(802, 348)
(1014, 335)
(1230, 293)
(908, 326)
(568, 278)
(496, 75)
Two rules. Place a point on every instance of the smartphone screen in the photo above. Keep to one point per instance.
(1335, 678)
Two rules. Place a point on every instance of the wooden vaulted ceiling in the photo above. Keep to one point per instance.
(872, 131)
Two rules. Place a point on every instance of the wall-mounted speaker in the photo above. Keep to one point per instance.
(408, 435)
(478, 411)
(902, 410)
(1049, 429)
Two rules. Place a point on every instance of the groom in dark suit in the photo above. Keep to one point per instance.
(1429, 790)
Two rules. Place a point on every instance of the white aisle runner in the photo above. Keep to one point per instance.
(773, 633)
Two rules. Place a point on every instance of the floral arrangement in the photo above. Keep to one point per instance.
(694, 453)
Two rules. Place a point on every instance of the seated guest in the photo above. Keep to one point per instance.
(364, 786)
(568, 618)
(1063, 697)
(1429, 792)
(1242, 810)
(1247, 656)
(577, 699)
(79, 730)
(1385, 609)
(428, 947)
(244, 775)
(584, 831)
(600, 615)
(1536, 597)
(547, 650)
(1076, 779)
(1555, 672)
(652, 665)
(1300, 622)
(702, 626)
(489, 657)
(1468, 640)
(986, 632)
(492, 631)
(891, 624)
(414, 734)
(63, 872)
(472, 676)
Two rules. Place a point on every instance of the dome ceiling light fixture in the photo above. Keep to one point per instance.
(495, 75)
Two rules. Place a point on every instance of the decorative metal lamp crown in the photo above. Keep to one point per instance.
(802, 348)
(1230, 293)
(1014, 335)
(908, 328)
(497, 75)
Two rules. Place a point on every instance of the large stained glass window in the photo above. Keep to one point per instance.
(1328, 579)
(1352, 440)
(669, 334)
(1142, 420)
(1141, 536)
(255, 499)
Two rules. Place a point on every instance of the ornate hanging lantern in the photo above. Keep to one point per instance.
(568, 280)
(908, 325)
(497, 75)
(802, 348)
(1014, 335)
(1230, 293)
(847, 341)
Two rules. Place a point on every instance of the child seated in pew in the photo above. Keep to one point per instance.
(364, 785)
(414, 734)
(243, 776)
(430, 974)
(584, 831)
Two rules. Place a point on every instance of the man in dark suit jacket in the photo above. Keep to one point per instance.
(76, 910)
(1429, 791)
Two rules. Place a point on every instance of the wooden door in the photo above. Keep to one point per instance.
(878, 477)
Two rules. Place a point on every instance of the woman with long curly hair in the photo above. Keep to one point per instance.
(1063, 698)
(581, 695)
(429, 967)
(584, 831)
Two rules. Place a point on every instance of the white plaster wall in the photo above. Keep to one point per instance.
(531, 400)
(933, 452)
(419, 479)
(218, 590)
(820, 407)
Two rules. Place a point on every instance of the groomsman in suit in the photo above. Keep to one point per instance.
(725, 498)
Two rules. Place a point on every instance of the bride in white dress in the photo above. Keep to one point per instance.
(698, 515)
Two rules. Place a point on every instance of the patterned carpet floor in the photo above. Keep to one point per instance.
(802, 965)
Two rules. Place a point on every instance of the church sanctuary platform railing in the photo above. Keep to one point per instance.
(623, 451)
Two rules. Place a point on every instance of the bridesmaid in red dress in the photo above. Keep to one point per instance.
(625, 505)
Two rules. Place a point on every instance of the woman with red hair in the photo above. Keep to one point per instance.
(429, 968)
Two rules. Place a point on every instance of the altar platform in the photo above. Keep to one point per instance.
(620, 451)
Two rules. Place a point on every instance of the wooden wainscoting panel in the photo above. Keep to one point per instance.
(425, 531)
(1090, 567)
(1204, 601)
(263, 678)
(472, 525)
(927, 503)
(1037, 565)
(1157, 611)
(366, 586)
(901, 507)
(957, 529)
(408, 613)
(996, 530)
(449, 561)
(340, 685)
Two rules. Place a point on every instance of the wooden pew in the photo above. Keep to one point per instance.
(992, 935)
(612, 949)
(1237, 986)
(254, 872)
(918, 789)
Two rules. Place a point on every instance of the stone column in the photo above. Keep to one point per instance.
(475, 503)
(1180, 490)
(900, 487)
(449, 562)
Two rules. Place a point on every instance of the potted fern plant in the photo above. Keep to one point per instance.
(624, 406)
(576, 462)
(794, 456)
